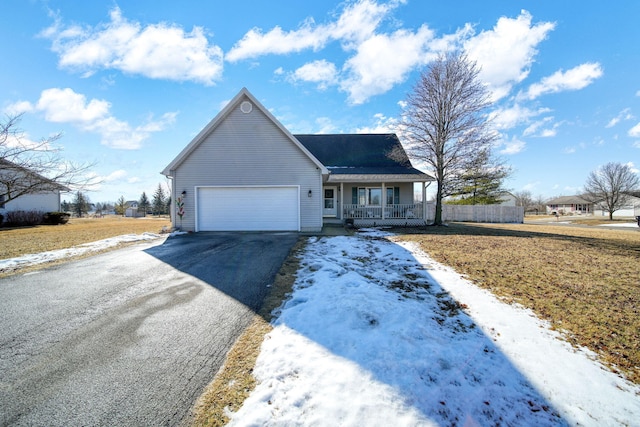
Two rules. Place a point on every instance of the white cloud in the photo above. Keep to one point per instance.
(322, 72)
(379, 61)
(635, 131)
(574, 79)
(255, 43)
(506, 52)
(533, 128)
(326, 125)
(622, 115)
(356, 23)
(68, 106)
(513, 146)
(383, 61)
(510, 117)
(18, 108)
(115, 175)
(159, 51)
(381, 124)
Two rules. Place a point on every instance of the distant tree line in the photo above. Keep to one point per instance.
(80, 205)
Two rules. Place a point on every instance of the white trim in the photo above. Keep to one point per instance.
(335, 201)
(198, 187)
(361, 178)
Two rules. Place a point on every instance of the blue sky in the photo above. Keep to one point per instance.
(130, 83)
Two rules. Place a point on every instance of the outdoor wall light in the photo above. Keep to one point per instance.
(184, 193)
(309, 194)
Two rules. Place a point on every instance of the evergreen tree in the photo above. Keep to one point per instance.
(80, 204)
(481, 183)
(121, 206)
(143, 203)
(65, 206)
(159, 204)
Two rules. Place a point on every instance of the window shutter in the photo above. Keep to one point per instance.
(396, 195)
(354, 195)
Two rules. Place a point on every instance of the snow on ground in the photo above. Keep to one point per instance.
(621, 224)
(43, 257)
(370, 336)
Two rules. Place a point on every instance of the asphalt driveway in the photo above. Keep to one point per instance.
(130, 337)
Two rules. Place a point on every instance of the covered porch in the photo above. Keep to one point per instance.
(378, 203)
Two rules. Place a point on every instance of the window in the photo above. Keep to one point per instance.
(372, 196)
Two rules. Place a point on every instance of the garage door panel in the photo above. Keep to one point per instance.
(248, 209)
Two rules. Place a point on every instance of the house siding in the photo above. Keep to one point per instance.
(246, 150)
(45, 202)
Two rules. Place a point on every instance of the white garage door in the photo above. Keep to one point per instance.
(248, 209)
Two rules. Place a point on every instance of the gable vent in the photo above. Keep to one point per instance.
(246, 107)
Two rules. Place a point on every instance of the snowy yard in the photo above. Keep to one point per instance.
(377, 333)
(372, 336)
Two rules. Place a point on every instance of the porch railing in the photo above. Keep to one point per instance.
(410, 211)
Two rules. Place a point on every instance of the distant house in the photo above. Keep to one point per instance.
(569, 205)
(131, 209)
(42, 194)
(245, 171)
(507, 199)
(578, 205)
(632, 207)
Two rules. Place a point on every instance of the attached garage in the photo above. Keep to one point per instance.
(248, 208)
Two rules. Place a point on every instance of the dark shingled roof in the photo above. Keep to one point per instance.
(361, 154)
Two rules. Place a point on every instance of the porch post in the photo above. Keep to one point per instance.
(424, 201)
(384, 199)
(341, 204)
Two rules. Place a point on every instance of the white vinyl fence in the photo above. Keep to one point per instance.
(477, 213)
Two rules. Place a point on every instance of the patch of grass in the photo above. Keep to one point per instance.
(234, 382)
(585, 281)
(15, 242)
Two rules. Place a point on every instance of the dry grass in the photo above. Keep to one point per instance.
(234, 382)
(28, 240)
(585, 281)
(15, 242)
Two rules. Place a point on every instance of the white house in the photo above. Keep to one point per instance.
(246, 171)
(40, 195)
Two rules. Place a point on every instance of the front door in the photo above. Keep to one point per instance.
(329, 206)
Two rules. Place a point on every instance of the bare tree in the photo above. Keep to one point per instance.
(610, 186)
(540, 204)
(445, 123)
(524, 199)
(28, 167)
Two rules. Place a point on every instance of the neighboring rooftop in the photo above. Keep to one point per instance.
(568, 200)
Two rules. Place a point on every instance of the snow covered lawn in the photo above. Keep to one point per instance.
(372, 336)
